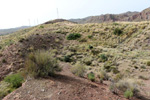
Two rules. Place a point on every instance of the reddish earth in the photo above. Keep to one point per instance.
(13, 57)
(65, 86)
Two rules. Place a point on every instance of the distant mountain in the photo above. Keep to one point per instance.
(11, 30)
(128, 16)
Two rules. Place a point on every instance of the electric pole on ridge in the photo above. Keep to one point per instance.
(57, 14)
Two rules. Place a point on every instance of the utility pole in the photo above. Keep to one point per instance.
(57, 14)
(29, 22)
(34, 23)
(37, 21)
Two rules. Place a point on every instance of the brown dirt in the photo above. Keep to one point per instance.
(65, 86)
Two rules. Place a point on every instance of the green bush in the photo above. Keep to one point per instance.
(148, 63)
(90, 36)
(115, 24)
(67, 59)
(118, 31)
(90, 47)
(73, 36)
(41, 64)
(128, 94)
(78, 69)
(41, 26)
(91, 76)
(15, 80)
(103, 57)
(107, 66)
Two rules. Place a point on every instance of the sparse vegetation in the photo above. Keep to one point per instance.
(127, 85)
(110, 57)
(78, 69)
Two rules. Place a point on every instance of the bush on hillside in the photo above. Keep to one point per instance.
(90, 47)
(41, 26)
(148, 63)
(73, 36)
(78, 69)
(103, 57)
(41, 64)
(127, 85)
(67, 58)
(91, 76)
(15, 80)
(128, 94)
(118, 31)
(103, 75)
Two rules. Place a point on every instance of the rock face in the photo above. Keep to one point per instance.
(128, 16)
(142, 16)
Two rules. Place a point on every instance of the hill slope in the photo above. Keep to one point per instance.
(114, 58)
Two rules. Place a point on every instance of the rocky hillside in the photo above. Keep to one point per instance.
(105, 61)
(128, 16)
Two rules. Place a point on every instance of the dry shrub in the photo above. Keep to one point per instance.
(41, 64)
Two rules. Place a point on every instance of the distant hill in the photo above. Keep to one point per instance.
(58, 20)
(128, 16)
(11, 30)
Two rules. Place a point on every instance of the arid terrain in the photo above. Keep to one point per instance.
(105, 61)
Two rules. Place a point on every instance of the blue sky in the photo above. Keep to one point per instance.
(16, 13)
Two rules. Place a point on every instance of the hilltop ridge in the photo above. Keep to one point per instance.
(128, 16)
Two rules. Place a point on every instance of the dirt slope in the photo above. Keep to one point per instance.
(13, 57)
(65, 86)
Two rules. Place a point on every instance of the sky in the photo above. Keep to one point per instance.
(15, 13)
